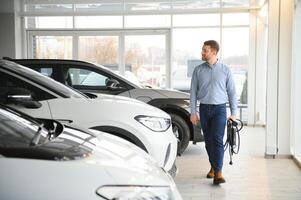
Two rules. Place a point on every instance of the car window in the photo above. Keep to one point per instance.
(86, 77)
(126, 79)
(46, 71)
(10, 85)
(36, 77)
(17, 131)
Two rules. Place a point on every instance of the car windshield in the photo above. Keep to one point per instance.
(44, 80)
(129, 79)
(14, 128)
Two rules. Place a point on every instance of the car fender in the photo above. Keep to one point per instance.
(176, 106)
(121, 133)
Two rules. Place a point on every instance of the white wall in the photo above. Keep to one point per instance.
(272, 78)
(258, 66)
(278, 77)
(252, 68)
(261, 65)
(284, 84)
(7, 39)
(10, 34)
(19, 31)
(296, 85)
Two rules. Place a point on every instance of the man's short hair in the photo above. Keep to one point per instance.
(213, 44)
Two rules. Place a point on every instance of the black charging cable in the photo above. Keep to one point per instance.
(233, 137)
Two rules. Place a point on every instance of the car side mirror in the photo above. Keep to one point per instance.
(112, 84)
(22, 97)
(54, 127)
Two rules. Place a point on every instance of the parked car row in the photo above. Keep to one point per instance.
(94, 79)
(53, 146)
(42, 97)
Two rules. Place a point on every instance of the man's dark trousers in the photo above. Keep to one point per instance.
(213, 121)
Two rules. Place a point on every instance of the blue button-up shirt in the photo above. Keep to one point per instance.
(213, 85)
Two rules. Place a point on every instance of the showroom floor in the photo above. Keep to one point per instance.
(251, 177)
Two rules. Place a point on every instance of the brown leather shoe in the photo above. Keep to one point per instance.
(210, 173)
(218, 178)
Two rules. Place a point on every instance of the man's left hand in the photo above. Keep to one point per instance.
(232, 117)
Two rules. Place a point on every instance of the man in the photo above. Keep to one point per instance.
(213, 85)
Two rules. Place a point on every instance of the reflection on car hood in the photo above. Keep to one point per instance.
(116, 156)
(105, 147)
(115, 97)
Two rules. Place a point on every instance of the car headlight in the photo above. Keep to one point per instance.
(157, 124)
(134, 192)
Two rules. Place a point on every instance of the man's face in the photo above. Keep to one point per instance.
(208, 53)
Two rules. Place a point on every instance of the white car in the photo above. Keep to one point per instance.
(49, 161)
(97, 79)
(42, 97)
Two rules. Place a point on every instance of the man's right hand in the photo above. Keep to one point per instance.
(194, 119)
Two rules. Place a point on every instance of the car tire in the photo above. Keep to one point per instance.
(183, 135)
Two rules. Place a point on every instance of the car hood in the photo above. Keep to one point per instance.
(147, 94)
(120, 159)
(75, 144)
(115, 98)
(112, 154)
(126, 105)
(168, 93)
(107, 161)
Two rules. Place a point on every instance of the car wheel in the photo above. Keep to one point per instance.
(182, 132)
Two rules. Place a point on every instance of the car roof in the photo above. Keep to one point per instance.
(77, 62)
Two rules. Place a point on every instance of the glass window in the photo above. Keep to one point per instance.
(147, 56)
(230, 19)
(235, 53)
(12, 85)
(100, 7)
(38, 78)
(196, 20)
(195, 4)
(187, 45)
(49, 22)
(46, 71)
(135, 21)
(148, 5)
(52, 47)
(98, 22)
(98, 49)
(87, 78)
(236, 3)
(34, 7)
